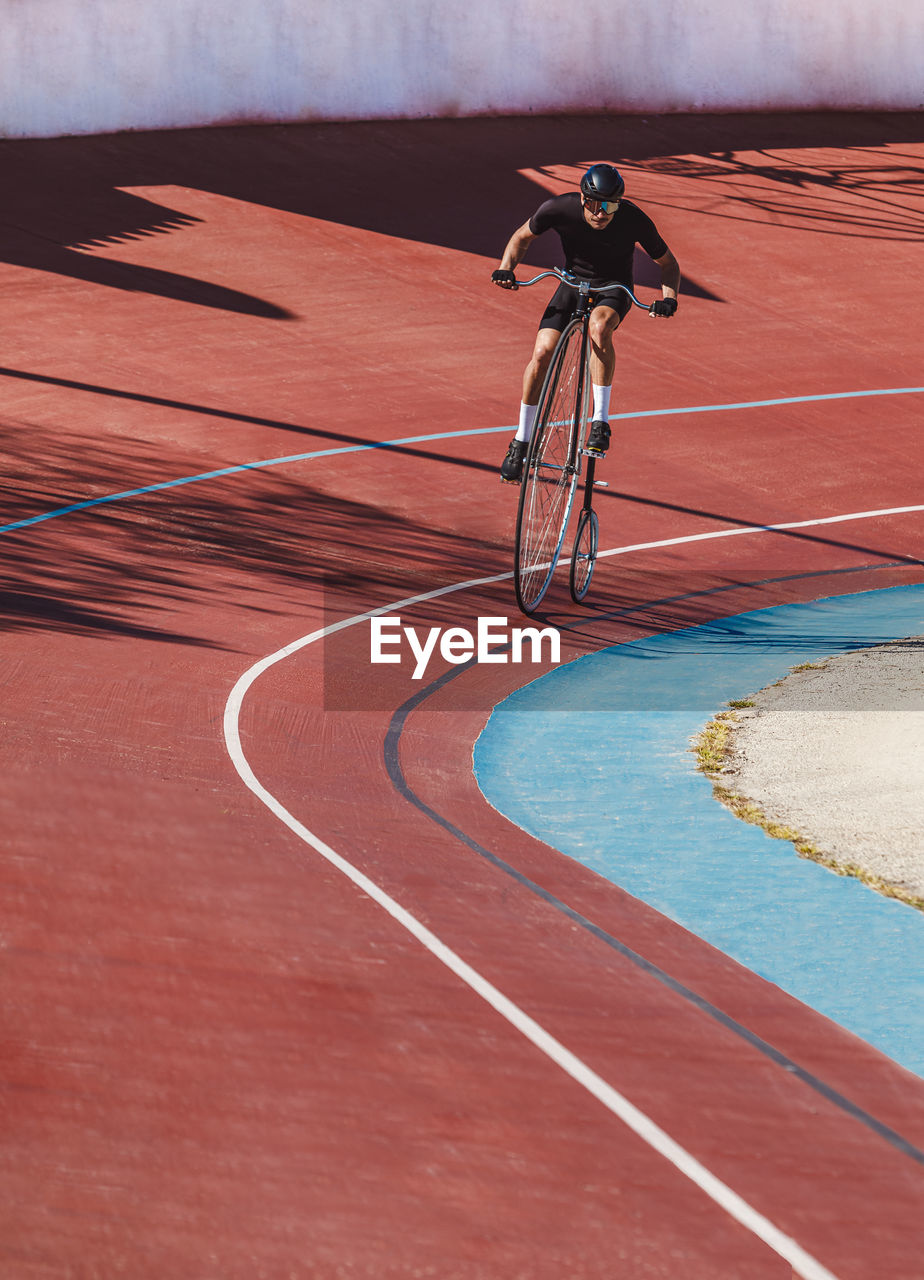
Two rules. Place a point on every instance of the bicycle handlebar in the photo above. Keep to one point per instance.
(584, 286)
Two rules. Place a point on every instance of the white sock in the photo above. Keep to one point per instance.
(527, 418)
(602, 403)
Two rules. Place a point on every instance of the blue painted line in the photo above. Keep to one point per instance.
(594, 759)
(109, 498)
(201, 477)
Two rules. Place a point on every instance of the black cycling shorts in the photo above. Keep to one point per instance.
(561, 306)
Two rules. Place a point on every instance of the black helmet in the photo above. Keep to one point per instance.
(602, 182)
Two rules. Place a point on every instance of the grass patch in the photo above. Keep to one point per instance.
(711, 747)
(748, 811)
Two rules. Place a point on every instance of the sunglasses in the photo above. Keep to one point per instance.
(600, 206)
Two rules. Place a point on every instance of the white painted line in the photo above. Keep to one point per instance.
(761, 528)
(738, 532)
(808, 1267)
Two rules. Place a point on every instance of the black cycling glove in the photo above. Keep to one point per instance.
(506, 279)
(663, 307)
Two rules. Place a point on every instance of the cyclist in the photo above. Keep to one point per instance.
(599, 230)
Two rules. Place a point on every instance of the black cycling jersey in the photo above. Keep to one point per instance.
(598, 256)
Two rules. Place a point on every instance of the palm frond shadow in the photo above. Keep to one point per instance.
(414, 168)
(132, 567)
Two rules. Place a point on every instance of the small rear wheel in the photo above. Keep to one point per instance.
(584, 555)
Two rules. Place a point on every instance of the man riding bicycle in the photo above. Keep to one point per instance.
(598, 230)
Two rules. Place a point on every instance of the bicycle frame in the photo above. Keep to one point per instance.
(546, 501)
(582, 309)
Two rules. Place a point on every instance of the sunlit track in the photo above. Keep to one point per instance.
(283, 1019)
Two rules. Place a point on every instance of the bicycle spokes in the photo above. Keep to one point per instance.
(550, 474)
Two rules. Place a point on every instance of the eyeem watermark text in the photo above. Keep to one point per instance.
(494, 640)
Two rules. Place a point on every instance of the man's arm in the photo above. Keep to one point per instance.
(517, 245)
(670, 286)
(670, 275)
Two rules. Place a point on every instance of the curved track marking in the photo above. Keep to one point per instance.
(808, 1267)
(734, 1205)
(399, 781)
(655, 811)
(615, 1102)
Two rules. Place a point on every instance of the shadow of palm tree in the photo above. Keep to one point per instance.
(848, 195)
(130, 568)
(45, 233)
(462, 184)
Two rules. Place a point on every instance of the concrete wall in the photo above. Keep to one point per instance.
(89, 66)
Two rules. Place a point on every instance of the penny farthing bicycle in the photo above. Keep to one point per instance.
(557, 457)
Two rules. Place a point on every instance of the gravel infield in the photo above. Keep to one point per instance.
(835, 752)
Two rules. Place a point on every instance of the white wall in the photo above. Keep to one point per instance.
(89, 66)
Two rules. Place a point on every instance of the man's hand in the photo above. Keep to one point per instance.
(506, 279)
(663, 307)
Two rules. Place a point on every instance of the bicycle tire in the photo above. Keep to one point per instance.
(550, 473)
(584, 554)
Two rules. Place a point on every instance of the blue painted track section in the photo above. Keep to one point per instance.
(594, 759)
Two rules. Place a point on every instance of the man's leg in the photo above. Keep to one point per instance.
(533, 377)
(604, 321)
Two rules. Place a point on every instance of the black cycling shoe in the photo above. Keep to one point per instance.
(512, 466)
(598, 441)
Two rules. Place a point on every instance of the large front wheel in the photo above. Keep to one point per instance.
(550, 474)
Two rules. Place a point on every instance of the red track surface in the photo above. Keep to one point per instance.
(221, 1059)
